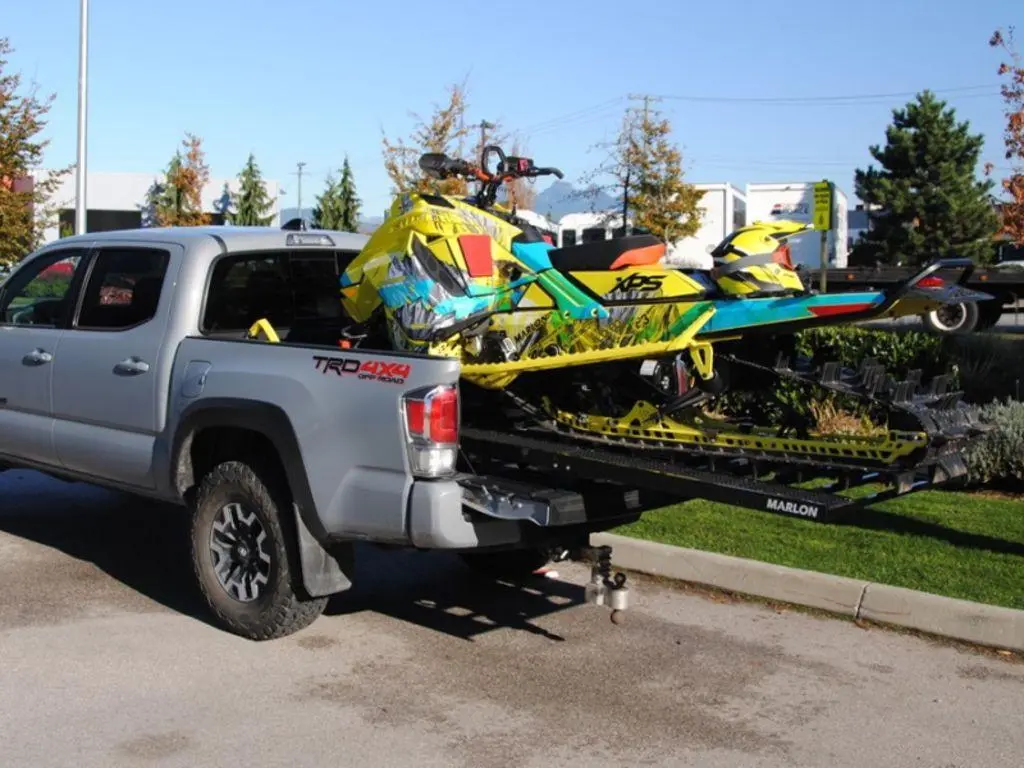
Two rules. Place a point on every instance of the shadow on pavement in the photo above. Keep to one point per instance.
(437, 591)
(143, 544)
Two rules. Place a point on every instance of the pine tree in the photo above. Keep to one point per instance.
(225, 203)
(327, 211)
(161, 204)
(931, 203)
(646, 177)
(1012, 224)
(348, 202)
(252, 203)
(26, 209)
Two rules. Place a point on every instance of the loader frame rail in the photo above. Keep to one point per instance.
(677, 482)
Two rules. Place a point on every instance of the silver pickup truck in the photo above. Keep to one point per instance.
(127, 360)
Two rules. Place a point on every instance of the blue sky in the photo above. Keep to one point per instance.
(312, 80)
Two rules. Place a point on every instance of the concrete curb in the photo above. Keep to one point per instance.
(988, 625)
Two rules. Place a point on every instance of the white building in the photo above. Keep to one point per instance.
(118, 200)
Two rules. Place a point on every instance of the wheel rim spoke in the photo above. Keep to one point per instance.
(239, 546)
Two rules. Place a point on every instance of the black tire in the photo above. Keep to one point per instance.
(507, 563)
(955, 318)
(232, 492)
(990, 313)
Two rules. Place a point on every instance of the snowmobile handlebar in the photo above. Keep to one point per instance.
(513, 167)
(439, 166)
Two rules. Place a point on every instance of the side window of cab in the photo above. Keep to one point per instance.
(42, 292)
(123, 289)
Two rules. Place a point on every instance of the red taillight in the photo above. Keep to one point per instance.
(444, 416)
(432, 415)
(414, 411)
(432, 428)
(931, 282)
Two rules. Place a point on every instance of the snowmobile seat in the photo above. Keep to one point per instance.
(600, 255)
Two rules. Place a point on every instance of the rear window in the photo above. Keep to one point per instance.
(287, 288)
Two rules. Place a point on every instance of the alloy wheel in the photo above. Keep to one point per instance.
(241, 558)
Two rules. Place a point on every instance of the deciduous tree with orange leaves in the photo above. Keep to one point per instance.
(26, 207)
(445, 130)
(1013, 94)
(178, 200)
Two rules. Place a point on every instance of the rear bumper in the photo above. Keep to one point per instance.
(472, 512)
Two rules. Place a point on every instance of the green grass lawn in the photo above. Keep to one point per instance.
(957, 544)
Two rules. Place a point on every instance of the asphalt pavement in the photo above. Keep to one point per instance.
(106, 660)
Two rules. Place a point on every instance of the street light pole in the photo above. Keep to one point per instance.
(80, 168)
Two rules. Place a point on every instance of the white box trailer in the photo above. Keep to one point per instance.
(795, 201)
(725, 209)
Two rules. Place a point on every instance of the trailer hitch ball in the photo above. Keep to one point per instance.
(618, 598)
(603, 588)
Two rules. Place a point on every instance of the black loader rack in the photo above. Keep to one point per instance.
(555, 486)
(631, 483)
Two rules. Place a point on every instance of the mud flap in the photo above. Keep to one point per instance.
(323, 573)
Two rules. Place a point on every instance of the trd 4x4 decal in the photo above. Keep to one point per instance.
(374, 370)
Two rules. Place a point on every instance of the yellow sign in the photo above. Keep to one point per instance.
(823, 205)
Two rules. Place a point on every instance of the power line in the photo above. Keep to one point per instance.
(570, 116)
(574, 123)
(606, 109)
(844, 98)
(586, 112)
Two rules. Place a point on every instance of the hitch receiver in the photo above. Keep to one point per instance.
(603, 588)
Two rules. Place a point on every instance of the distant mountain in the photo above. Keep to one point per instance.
(562, 198)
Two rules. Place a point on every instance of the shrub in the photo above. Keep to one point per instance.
(780, 401)
(898, 352)
(48, 286)
(999, 455)
(989, 367)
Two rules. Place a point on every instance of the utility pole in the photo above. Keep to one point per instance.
(80, 167)
(298, 173)
(484, 125)
(630, 134)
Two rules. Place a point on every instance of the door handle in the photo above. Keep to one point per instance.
(37, 357)
(132, 366)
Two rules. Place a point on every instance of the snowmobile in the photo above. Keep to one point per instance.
(605, 342)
